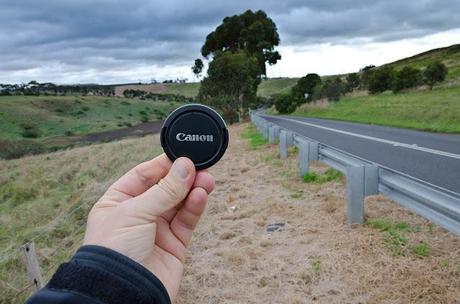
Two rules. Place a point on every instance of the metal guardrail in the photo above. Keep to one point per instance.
(365, 178)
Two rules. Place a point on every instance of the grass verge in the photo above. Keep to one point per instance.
(437, 110)
(255, 139)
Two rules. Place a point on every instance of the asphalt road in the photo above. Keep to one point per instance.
(431, 157)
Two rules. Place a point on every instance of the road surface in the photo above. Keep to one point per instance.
(431, 157)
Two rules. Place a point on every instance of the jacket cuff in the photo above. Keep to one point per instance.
(110, 277)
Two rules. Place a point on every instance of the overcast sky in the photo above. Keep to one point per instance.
(84, 41)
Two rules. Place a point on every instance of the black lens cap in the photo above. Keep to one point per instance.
(197, 132)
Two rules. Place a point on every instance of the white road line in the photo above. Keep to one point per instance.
(386, 141)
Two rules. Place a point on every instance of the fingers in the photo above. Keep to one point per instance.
(203, 180)
(186, 219)
(139, 179)
(167, 193)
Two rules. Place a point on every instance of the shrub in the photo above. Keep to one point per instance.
(30, 131)
(407, 77)
(434, 72)
(353, 82)
(10, 149)
(285, 103)
(69, 133)
(380, 80)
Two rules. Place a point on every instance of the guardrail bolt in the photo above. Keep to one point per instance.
(355, 194)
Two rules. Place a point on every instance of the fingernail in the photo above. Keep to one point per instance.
(180, 168)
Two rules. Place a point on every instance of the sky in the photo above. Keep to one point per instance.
(86, 41)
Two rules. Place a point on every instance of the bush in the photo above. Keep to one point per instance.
(434, 72)
(353, 82)
(306, 85)
(333, 89)
(30, 131)
(380, 80)
(407, 77)
(10, 149)
(285, 103)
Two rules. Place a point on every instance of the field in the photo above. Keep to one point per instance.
(267, 87)
(34, 123)
(397, 257)
(437, 110)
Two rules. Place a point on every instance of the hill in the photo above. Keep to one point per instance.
(437, 110)
(267, 87)
(450, 56)
(27, 122)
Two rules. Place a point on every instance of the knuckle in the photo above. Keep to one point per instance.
(174, 191)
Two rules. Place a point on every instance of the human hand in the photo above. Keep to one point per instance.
(149, 215)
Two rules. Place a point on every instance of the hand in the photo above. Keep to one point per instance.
(149, 215)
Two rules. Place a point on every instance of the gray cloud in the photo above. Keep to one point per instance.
(103, 36)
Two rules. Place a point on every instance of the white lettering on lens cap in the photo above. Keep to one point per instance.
(194, 137)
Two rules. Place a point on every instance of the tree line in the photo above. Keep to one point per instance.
(48, 88)
(375, 80)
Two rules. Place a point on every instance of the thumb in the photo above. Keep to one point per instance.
(167, 193)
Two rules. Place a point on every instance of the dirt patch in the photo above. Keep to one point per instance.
(317, 257)
(149, 88)
(142, 129)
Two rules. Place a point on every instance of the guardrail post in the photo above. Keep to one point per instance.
(33, 268)
(271, 134)
(304, 157)
(371, 179)
(265, 129)
(283, 144)
(290, 138)
(314, 151)
(355, 194)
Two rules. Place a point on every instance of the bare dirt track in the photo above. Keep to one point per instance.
(318, 257)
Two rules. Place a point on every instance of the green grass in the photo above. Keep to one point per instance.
(395, 236)
(185, 89)
(421, 250)
(328, 176)
(275, 86)
(437, 110)
(267, 88)
(255, 139)
(36, 124)
(450, 56)
(45, 116)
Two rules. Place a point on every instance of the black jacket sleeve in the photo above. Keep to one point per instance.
(98, 275)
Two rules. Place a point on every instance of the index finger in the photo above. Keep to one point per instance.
(137, 180)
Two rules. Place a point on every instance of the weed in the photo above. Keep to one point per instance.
(381, 224)
(328, 176)
(316, 266)
(421, 250)
(395, 236)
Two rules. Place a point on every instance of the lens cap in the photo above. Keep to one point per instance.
(197, 132)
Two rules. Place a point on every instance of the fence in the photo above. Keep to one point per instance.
(366, 178)
(32, 267)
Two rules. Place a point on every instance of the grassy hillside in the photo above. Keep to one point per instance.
(47, 198)
(267, 88)
(437, 110)
(58, 116)
(450, 56)
(275, 86)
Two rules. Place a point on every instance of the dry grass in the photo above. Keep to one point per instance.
(317, 257)
(47, 198)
